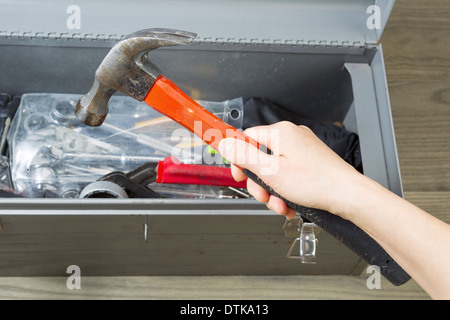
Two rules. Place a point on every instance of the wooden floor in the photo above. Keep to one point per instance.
(416, 46)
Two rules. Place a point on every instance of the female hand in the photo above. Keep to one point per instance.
(301, 169)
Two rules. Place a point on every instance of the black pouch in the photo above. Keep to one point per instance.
(8, 107)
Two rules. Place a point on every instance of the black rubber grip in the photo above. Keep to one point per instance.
(349, 234)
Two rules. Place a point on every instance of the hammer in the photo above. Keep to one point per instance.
(127, 69)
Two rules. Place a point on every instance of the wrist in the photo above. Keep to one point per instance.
(355, 196)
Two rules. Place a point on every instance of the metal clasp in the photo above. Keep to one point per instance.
(146, 229)
(305, 242)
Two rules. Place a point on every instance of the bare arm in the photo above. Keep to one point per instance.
(305, 171)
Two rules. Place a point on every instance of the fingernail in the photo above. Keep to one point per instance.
(291, 216)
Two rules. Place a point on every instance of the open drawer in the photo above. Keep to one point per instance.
(327, 72)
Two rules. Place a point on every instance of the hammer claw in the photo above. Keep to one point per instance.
(177, 37)
(126, 69)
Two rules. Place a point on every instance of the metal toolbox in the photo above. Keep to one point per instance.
(321, 59)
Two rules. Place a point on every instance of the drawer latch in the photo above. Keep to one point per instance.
(305, 240)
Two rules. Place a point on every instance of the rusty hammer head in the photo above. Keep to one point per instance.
(127, 69)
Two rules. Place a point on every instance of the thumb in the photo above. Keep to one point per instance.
(245, 155)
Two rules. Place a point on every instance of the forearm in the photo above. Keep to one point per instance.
(419, 242)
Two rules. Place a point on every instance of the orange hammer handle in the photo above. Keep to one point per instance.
(168, 99)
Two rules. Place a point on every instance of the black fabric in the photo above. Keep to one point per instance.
(8, 107)
(261, 111)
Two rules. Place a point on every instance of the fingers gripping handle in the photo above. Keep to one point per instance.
(349, 234)
(168, 99)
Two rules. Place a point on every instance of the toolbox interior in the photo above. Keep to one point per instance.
(309, 81)
(312, 84)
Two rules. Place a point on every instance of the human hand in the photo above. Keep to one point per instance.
(302, 169)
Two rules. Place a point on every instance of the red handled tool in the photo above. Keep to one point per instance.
(170, 171)
(167, 171)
